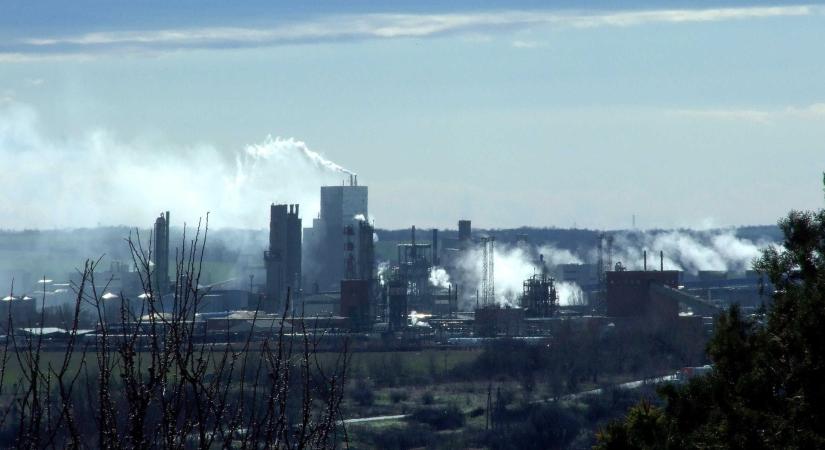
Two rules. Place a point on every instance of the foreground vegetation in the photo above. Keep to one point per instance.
(766, 389)
(510, 394)
(153, 385)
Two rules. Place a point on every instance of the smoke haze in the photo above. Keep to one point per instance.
(96, 179)
(439, 277)
(687, 251)
(514, 264)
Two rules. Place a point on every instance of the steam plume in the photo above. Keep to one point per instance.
(439, 277)
(97, 179)
(515, 264)
(689, 251)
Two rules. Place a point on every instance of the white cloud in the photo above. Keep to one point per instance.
(525, 44)
(29, 57)
(370, 26)
(624, 19)
(764, 116)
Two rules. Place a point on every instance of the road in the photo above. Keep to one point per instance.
(374, 419)
(628, 385)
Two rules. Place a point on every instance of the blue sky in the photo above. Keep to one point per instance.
(685, 114)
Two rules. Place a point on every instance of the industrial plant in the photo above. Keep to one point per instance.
(430, 288)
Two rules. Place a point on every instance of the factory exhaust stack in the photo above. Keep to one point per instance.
(435, 247)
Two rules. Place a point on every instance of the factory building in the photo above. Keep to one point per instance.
(495, 320)
(335, 235)
(465, 233)
(160, 275)
(445, 303)
(355, 303)
(629, 293)
(359, 288)
(21, 309)
(727, 288)
(397, 300)
(414, 266)
(13, 279)
(283, 259)
(366, 251)
(539, 297)
(581, 274)
(220, 300)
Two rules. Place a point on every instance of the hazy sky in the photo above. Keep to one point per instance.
(508, 113)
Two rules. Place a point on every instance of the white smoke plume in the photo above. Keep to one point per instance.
(513, 265)
(690, 252)
(383, 272)
(439, 277)
(267, 151)
(96, 179)
(556, 256)
(569, 293)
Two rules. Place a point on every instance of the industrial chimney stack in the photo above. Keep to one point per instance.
(160, 256)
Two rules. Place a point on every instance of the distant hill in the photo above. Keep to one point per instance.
(30, 254)
(574, 238)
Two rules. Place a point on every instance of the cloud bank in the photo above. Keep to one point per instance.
(364, 26)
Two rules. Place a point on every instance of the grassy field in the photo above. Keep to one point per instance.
(421, 365)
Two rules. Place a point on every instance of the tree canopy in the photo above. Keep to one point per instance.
(767, 386)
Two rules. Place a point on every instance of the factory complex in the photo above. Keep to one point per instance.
(437, 289)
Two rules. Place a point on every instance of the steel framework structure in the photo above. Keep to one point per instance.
(488, 282)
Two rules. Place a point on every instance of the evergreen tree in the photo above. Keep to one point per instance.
(767, 387)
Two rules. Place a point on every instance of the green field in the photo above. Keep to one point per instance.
(414, 366)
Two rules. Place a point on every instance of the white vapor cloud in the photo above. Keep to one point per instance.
(439, 277)
(813, 111)
(691, 252)
(556, 256)
(96, 179)
(369, 26)
(569, 293)
(514, 264)
(525, 44)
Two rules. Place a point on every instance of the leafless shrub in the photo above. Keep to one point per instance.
(148, 378)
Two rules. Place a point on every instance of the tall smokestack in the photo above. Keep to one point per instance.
(645, 258)
(435, 246)
(161, 253)
(543, 266)
(661, 260)
(465, 231)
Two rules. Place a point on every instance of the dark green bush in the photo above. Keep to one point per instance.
(446, 418)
